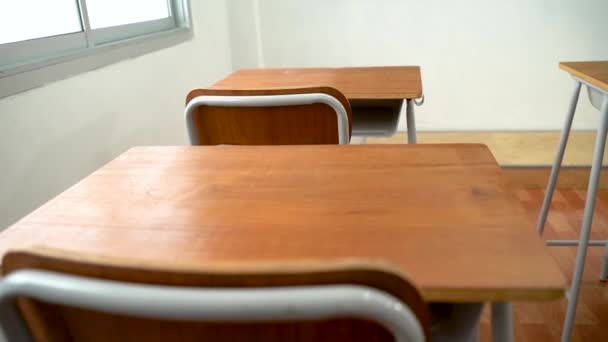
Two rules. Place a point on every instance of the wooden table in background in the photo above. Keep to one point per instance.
(442, 214)
(376, 94)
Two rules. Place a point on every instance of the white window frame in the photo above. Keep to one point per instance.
(32, 63)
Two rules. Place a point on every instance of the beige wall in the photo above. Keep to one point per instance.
(55, 135)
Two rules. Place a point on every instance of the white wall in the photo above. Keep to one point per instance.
(486, 64)
(55, 135)
(245, 35)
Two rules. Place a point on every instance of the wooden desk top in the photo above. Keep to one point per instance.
(595, 73)
(385, 83)
(439, 213)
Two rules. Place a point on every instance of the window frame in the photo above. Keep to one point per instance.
(42, 60)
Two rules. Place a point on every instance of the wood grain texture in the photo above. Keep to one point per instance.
(59, 323)
(277, 125)
(440, 213)
(594, 72)
(542, 322)
(388, 83)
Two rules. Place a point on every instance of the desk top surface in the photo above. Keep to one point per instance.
(382, 83)
(595, 72)
(441, 214)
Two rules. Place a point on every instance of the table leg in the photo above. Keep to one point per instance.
(502, 322)
(581, 253)
(411, 121)
(542, 218)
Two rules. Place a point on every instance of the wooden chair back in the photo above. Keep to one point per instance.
(50, 322)
(269, 125)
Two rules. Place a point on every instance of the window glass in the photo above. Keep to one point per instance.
(29, 19)
(106, 13)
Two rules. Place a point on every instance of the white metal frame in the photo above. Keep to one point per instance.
(297, 303)
(115, 33)
(19, 53)
(33, 55)
(411, 121)
(268, 101)
(594, 177)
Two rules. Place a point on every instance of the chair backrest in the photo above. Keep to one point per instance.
(294, 116)
(56, 296)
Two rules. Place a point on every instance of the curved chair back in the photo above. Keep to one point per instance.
(295, 116)
(53, 296)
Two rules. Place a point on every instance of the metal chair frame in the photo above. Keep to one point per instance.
(266, 304)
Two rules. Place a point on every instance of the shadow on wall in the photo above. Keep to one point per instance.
(56, 166)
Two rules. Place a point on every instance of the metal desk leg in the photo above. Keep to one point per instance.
(581, 253)
(502, 322)
(411, 122)
(604, 274)
(542, 219)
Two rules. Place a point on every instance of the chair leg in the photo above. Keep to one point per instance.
(542, 218)
(581, 254)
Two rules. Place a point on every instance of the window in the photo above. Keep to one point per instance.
(38, 33)
(19, 23)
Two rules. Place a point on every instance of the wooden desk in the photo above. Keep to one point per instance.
(383, 83)
(441, 214)
(594, 75)
(376, 94)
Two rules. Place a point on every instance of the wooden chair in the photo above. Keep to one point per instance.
(54, 296)
(295, 116)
